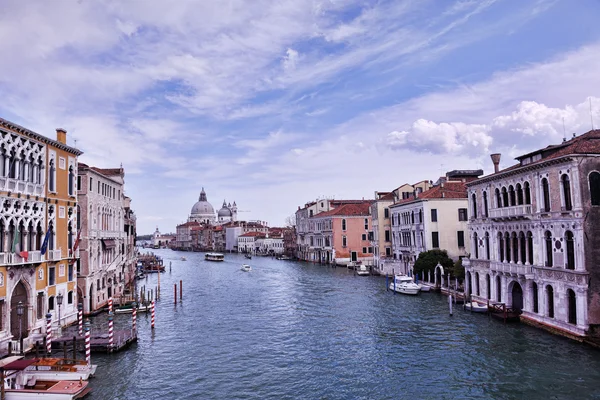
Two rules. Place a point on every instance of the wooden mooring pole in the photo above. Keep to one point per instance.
(180, 290)
(175, 292)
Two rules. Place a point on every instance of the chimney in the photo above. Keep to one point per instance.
(61, 135)
(496, 161)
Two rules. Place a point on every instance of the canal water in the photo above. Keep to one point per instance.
(290, 330)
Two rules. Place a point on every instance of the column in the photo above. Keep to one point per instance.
(527, 260)
(519, 248)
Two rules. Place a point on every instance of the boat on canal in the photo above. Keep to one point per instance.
(56, 369)
(404, 284)
(246, 268)
(248, 256)
(20, 384)
(214, 257)
(128, 308)
(362, 270)
(476, 307)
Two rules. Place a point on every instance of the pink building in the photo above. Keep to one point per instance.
(342, 235)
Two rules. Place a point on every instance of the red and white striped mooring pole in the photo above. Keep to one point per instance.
(110, 331)
(88, 348)
(80, 318)
(134, 319)
(49, 333)
(152, 320)
(110, 304)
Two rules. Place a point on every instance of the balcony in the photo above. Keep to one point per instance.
(515, 212)
(54, 255)
(561, 274)
(15, 259)
(512, 269)
(19, 186)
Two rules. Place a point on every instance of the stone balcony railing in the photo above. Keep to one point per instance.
(102, 234)
(19, 186)
(561, 274)
(512, 269)
(524, 210)
(15, 259)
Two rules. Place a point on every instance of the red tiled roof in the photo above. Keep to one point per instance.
(353, 209)
(256, 234)
(108, 171)
(447, 190)
(191, 223)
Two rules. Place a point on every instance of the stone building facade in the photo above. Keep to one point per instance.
(38, 226)
(535, 230)
(103, 256)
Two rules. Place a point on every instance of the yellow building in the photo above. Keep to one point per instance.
(38, 230)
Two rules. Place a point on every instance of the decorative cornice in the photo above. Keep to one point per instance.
(24, 131)
(520, 170)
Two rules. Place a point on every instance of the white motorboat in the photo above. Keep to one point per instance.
(21, 384)
(214, 257)
(404, 284)
(246, 268)
(476, 307)
(57, 369)
(362, 270)
(425, 288)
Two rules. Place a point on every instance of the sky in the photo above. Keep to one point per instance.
(273, 104)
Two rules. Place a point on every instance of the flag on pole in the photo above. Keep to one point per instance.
(15, 242)
(45, 243)
(76, 245)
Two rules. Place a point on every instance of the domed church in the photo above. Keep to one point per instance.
(203, 212)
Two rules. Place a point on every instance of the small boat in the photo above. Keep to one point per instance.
(425, 288)
(214, 257)
(362, 271)
(58, 369)
(284, 257)
(183, 259)
(476, 307)
(246, 268)
(128, 309)
(404, 284)
(19, 384)
(248, 256)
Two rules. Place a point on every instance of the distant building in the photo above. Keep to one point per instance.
(535, 232)
(161, 241)
(290, 241)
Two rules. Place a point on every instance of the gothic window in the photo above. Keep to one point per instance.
(485, 205)
(523, 249)
(566, 186)
(527, 191)
(572, 306)
(545, 195)
(487, 245)
(498, 198)
(550, 301)
(51, 238)
(511, 192)
(595, 188)
(530, 247)
(507, 243)
(51, 178)
(474, 206)
(549, 248)
(501, 247)
(477, 283)
(498, 289)
(519, 194)
(534, 293)
(2, 162)
(570, 250)
(12, 167)
(475, 245)
(71, 181)
(488, 286)
(504, 197)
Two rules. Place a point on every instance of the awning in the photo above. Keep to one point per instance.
(109, 243)
(20, 365)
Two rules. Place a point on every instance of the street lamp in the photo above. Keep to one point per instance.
(20, 311)
(59, 301)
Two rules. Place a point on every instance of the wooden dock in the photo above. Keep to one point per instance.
(502, 312)
(122, 339)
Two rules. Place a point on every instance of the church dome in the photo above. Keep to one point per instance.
(225, 211)
(203, 208)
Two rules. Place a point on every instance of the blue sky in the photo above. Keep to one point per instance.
(275, 103)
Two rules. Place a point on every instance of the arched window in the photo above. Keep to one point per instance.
(519, 189)
(498, 198)
(569, 238)
(51, 303)
(530, 247)
(572, 306)
(545, 195)
(566, 185)
(507, 243)
(70, 237)
(3, 162)
(487, 245)
(51, 182)
(515, 247)
(504, 197)
(498, 288)
(485, 205)
(534, 293)
(549, 248)
(527, 191)
(475, 245)
(420, 216)
(488, 287)
(522, 248)
(477, 283)
(70, 297)
(412, 217)
(474, 204)
(550, 301)
(500, 247)
(594, 179)
(511, 193)
(71, 181)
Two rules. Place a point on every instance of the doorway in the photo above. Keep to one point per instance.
(517, 297)
(19, 324)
